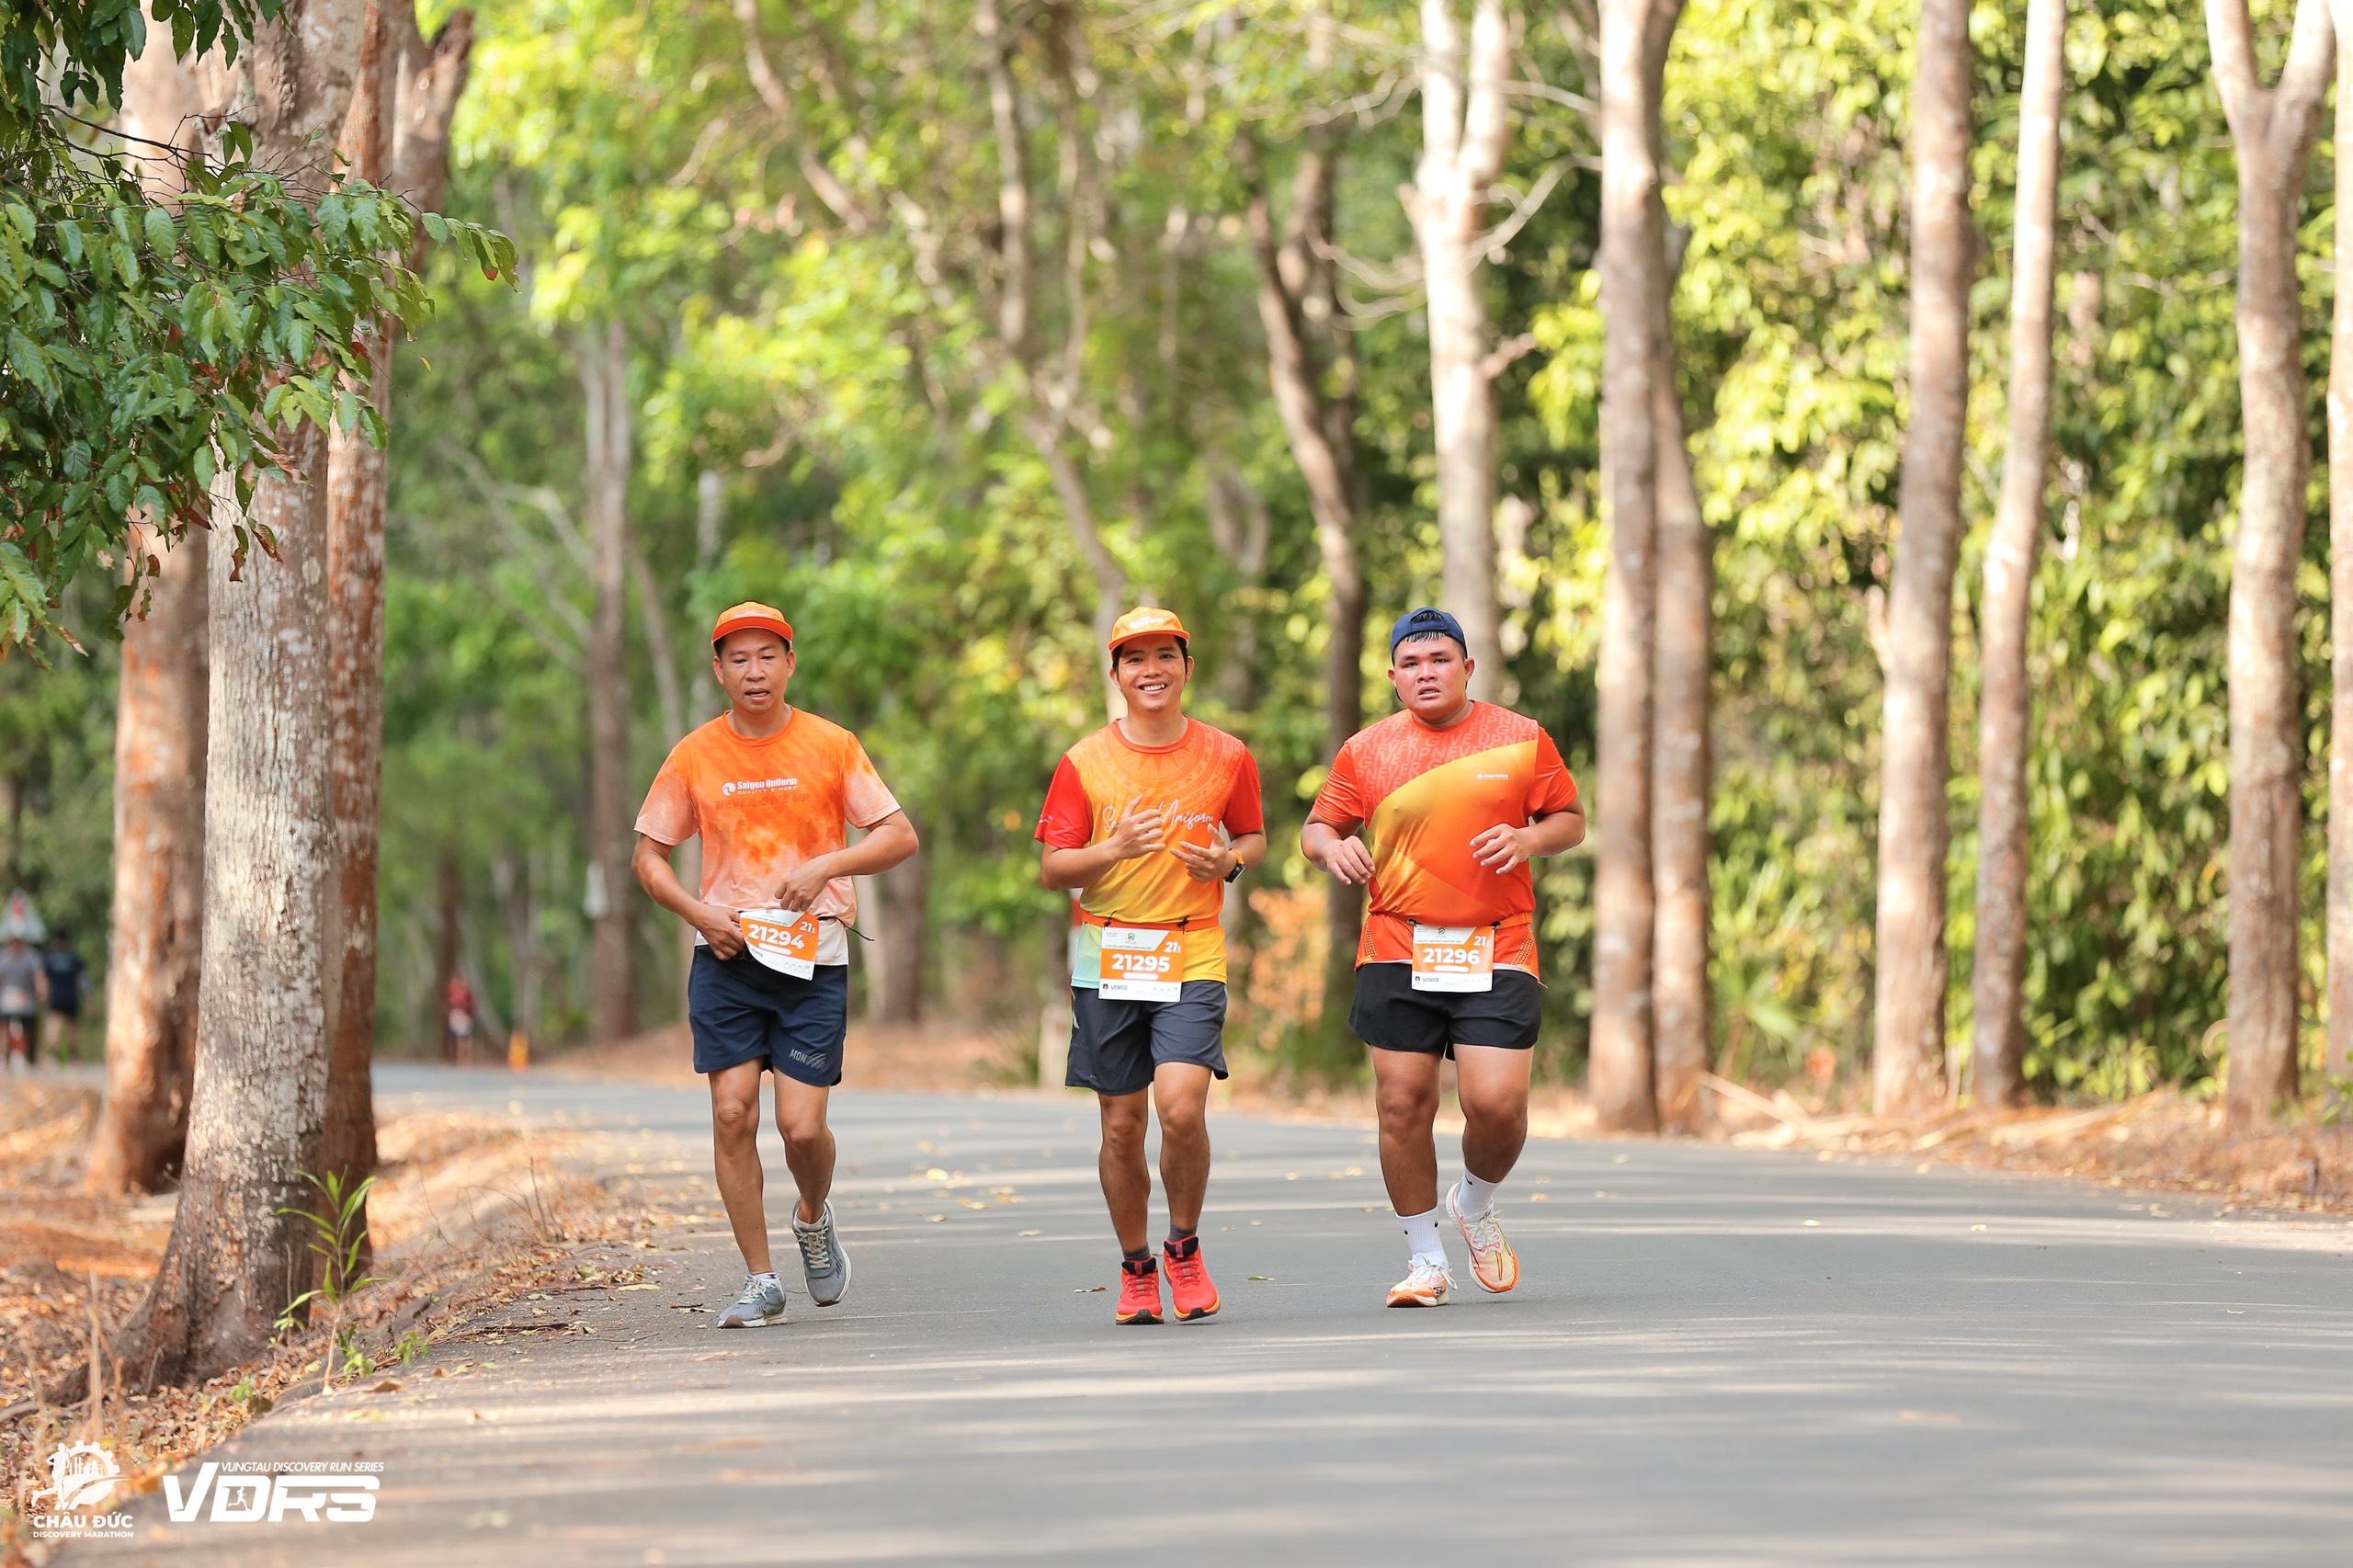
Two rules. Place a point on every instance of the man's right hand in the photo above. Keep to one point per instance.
(719, 928)
(1137, 832)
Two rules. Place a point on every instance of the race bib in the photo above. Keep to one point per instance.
(16, 999)
(1141, 964)
(782, 940)
(1454, 958)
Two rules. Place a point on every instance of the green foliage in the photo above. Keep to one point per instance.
(338, 1236)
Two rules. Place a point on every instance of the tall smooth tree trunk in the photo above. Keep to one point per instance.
(1908, 1051)
(396, 136)
(2005, 715)
(2273, 131)
(1681, 761)
(2338, 1064)
(603, 352)
(1298, 308)
(896, 966)
(1620, 1078)
(1463, 134)
(155, 949)
(256, 1123)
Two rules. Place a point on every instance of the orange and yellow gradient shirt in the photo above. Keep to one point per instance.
(764, 808)
(1208, 786)
(1422, 795)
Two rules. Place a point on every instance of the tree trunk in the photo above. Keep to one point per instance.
(1621, 1077)
(2273, 131)
(2004, 707)
(396, 136)
(603, 377)
(156, 947)
(895, 975)
(449, 878)
(235, 1260)
(2338, 1065)
(1463, 134)
(1908, 1053)
(1680, 762)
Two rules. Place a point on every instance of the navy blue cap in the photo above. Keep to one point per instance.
(1424, 622)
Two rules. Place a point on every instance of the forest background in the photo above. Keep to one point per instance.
(817, 404)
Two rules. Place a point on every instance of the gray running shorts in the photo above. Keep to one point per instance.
(1114, 1046)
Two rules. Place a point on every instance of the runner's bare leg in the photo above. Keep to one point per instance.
(735, 1157)
(1127, 1180)
(1404, 1092)
(1180, 1090)
(808, 1144)
(1493, 1085)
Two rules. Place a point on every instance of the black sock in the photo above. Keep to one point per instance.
(1181, 1241)
(1140, 1255)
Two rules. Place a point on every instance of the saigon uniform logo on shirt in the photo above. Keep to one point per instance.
(755, 786)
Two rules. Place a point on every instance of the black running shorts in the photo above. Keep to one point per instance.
(740, 1010)
(1114, 1046)
(1389, 1014)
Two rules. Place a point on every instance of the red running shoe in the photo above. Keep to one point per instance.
(1188, 1280)
(1138, 1291)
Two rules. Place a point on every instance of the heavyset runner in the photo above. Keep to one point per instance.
(1437, 810)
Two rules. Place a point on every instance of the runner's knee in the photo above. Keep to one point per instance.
(1123, 1122)
(1407, 1100)
(735, 1122)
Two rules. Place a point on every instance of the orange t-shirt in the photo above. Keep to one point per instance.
(764, 808)
(1422, 795)
(1206, 782)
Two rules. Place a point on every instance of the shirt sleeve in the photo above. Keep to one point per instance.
(1340, 803)
(865, 799)
(1068, 821)
(1244, 811)
(668, 816)
(1552, 789)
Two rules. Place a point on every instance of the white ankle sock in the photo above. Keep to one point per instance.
(1474, 1196)
(1421, 1237)
(767, 1278)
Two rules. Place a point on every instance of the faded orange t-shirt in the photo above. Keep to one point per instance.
(764, 808)
(1422, 795)
(1206, 782)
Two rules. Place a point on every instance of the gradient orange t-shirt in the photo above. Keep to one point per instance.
(1422, 796)
(763, 807)
(1208, 783)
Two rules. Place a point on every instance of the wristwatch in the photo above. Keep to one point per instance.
(1235, 874)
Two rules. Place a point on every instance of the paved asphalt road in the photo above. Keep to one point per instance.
(1716, 1356)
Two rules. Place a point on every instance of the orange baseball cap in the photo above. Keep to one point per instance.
(1144, 621)
(751, 615)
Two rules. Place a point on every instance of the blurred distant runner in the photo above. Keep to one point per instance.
(64, 967)
(22, 981)
(1456, 798)
(458, 997)
(772, 791)
(1149, 818)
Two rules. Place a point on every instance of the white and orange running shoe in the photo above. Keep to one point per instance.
(1492, 1263)
(1427, 1284)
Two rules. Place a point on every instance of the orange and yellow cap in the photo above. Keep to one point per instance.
(1145, 620)
(751, 615)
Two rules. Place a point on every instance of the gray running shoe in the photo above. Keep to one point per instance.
(759, 1305)
(822, 1261)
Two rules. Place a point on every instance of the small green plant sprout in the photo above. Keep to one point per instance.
(413, 1346)
(338, 1234)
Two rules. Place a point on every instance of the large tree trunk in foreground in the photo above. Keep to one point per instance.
(2339, 1061)
(603, 353)
(1463, 134)
(1621, 1077)
(2004, 707)
(1908, 1049)
(254, 1127)
(396, 136)
(156, 943)
(2273, 131)
(1298, 308)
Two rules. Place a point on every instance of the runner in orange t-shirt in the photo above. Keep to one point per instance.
(1456, 798)
(772, 791)
(1149, 818)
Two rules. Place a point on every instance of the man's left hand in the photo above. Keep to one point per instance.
(1500, 848)
(800, 889)
(1206, 862)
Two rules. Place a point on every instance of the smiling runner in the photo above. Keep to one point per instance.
(1149, 818)
(1457, 797)
(772, 791)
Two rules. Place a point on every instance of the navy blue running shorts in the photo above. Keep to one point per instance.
(1389, 1014)
(741, 1011)
(1114, 1046)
